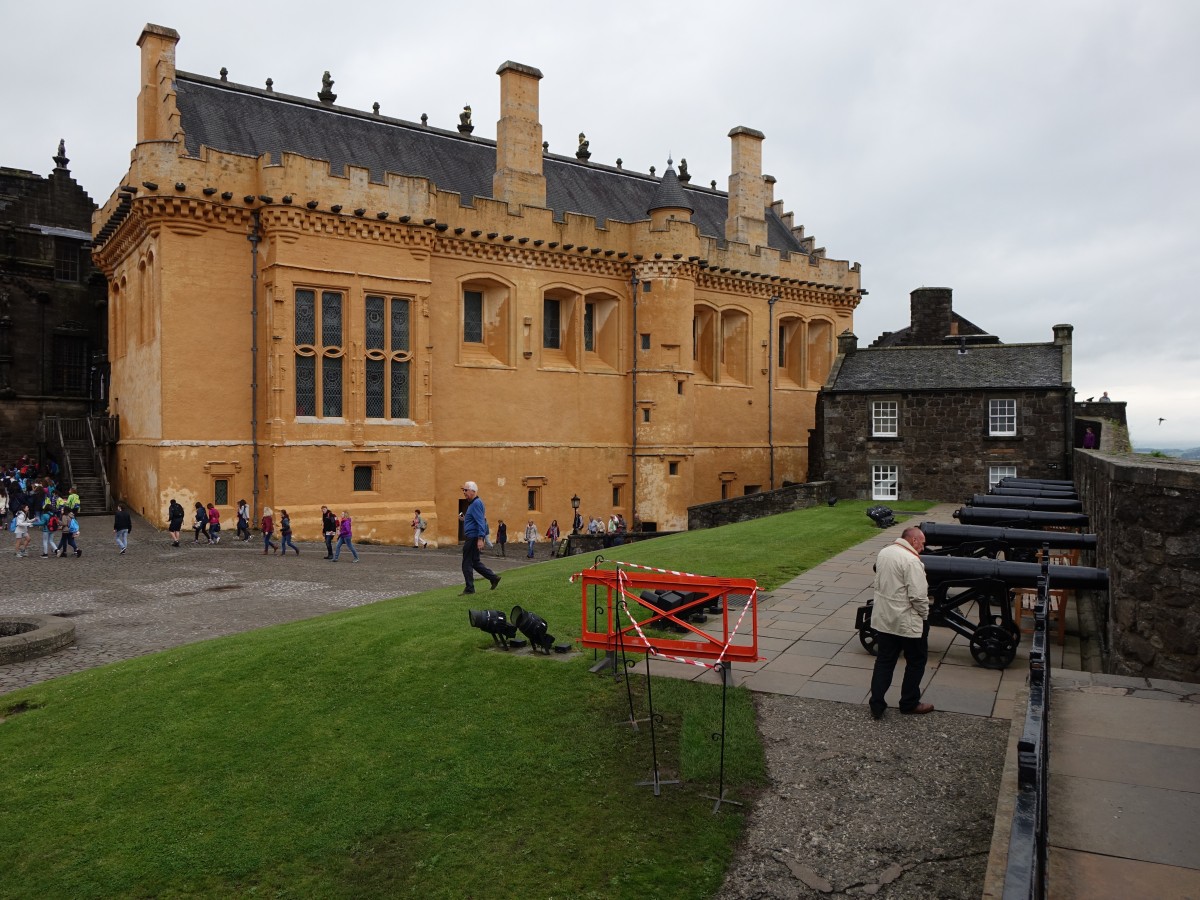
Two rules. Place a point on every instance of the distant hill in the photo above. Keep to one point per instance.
(1193, 453)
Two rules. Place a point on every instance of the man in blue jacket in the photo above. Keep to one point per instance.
(475, 532)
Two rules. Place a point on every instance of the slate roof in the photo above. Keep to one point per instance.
(1030, 366)
(239, 119)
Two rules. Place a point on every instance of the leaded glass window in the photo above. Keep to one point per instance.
(589, 327)
(320, 370)
(364, 478)
(331, 386)
(473, 317)
(551, 317)
(387, 370)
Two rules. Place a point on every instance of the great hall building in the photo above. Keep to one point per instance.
(311, 304)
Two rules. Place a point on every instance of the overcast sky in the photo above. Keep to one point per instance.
(1040, 158)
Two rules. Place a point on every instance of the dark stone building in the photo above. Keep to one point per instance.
(53, 328)
(941, 410)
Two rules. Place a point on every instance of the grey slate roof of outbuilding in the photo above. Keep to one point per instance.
(239, 119)
(1013, 366)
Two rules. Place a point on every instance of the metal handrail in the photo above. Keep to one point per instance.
(98, 457)
(1028, 842)
(66, 454)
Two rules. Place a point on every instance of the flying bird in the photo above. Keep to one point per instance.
(1161, 420)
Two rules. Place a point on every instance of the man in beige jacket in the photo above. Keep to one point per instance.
(900, 616)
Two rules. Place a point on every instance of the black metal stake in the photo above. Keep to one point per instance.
(726, 677)
(655, 781)
(626, 665)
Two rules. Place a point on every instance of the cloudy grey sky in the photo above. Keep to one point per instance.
(1041, 158)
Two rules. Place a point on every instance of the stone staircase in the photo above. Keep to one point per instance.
(85, 477)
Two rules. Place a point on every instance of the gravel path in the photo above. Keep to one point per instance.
(899, 808)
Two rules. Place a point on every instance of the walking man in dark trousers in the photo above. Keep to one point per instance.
(475, 532)
(900, 617)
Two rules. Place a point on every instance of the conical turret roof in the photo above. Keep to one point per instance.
(670, 193)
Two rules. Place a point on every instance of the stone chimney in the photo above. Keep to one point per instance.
(1062, 338)
(157, 114)
(518, 179)
(747, 220)
(931, 316)
(847, 343)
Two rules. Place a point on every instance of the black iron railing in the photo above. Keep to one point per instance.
(1028, 842)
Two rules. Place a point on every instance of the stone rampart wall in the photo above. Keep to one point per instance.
(755, 506)
(1146, 512)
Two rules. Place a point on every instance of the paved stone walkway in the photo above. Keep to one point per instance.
(810, 648)
(157, 596)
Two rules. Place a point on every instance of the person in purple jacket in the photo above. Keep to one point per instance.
(345, 536)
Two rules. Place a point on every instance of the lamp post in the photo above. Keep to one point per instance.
(574, 514)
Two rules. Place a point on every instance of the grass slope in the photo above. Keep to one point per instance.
(387, 751)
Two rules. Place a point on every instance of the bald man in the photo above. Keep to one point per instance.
(900, 618)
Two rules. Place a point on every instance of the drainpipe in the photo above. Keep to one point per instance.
(253, 238)
(771, 385)
(633, 514)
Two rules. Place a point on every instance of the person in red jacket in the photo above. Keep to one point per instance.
(268, 529)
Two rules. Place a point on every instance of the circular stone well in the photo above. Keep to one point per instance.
(28, 637)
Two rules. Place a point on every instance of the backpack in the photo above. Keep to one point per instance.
(422, 524)
(52, 523)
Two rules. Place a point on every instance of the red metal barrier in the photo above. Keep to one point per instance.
(735, 641)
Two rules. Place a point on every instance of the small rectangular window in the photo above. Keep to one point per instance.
(885, 480)
(751, 489)
(66, 260)
(473, 317)
(551, 324)
(885, 417)
(997, 473)
(589, 327)
(616, 495)
(645, 342)
(646, 414)
(1002, 417)
(364, 478)
(672, 468)
(724, 490)
(221, 492)
(531, 497)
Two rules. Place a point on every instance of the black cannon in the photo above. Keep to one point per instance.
(956, 581)
(1032, 492)
(1020, 518)
(1054, 504)
(1017, 544)
(1048, 483)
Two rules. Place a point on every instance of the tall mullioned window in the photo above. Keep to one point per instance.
(320, 353)
(389, 357)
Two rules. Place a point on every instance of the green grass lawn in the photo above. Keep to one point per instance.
(388, 751)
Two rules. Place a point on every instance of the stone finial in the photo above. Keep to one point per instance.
(375, 107)
(684, 175)
(60, 161)
(464, 121)
(713, 184)
(271, 85)
(652, 171)
(326, 94)
(224, 74)
(545, 146)
(424, 119)
(620, 162)
(582, 152)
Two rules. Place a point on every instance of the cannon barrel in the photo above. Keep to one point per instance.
(1033, 492)
(1020, 518)
(939, 535)
(1036, 482)
(940, 569)
(1056, 504)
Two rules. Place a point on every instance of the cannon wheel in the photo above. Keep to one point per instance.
(869, 638)
(993, 646)
(1010, 626)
